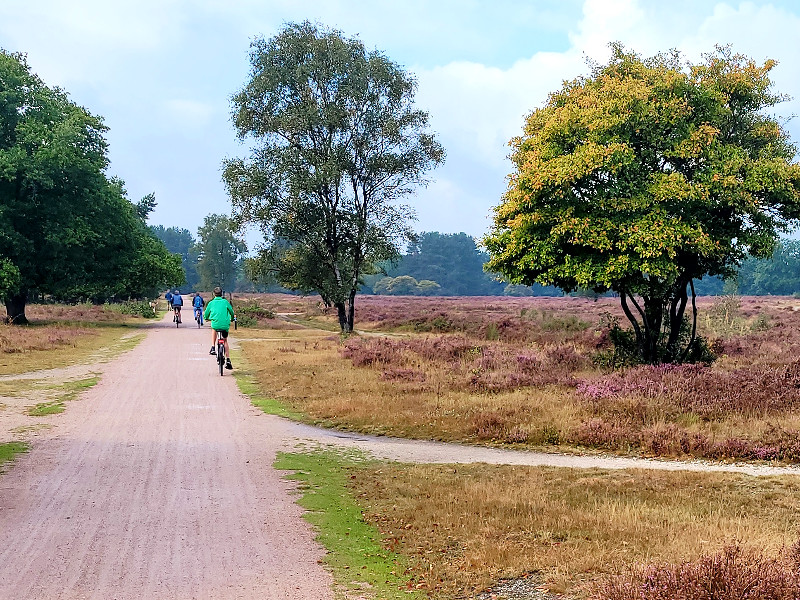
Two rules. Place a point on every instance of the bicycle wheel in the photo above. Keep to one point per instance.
(221, 359)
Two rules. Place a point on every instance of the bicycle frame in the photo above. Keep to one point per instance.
(220, 353)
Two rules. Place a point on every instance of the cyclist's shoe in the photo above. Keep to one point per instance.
(228, 364)
(213, 351)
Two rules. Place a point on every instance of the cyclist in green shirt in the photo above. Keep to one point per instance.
(219, 313)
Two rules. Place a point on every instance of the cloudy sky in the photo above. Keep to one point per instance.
(161, 73)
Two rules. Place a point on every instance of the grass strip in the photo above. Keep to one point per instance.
(355, 556)
(9, 450)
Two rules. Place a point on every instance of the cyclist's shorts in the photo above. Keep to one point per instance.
(177, 307)
(224, 332)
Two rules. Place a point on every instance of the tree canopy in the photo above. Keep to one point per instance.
(644, 176)
(337, 142)
(453, 260)
(181, 241)
(66, 228)
(219, 249)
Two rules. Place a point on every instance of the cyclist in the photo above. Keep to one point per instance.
(198, 304)
(168, 298)
(177, 303)
(219, 313)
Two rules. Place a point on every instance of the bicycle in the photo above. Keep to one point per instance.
(198, 316)
(221, 353)
(177, 318)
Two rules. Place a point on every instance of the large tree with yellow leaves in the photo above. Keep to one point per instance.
(644, 176)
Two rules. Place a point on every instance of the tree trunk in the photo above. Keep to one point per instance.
(694, 323)
(351, 311)
(15, 309)
(341, 310)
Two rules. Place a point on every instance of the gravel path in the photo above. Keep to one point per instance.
(157, 484)
(419, 451)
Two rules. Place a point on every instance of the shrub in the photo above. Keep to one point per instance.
(137, 308)
(732, 574)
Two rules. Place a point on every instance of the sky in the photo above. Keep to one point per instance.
(162, 72)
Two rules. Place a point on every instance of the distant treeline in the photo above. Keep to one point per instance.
(441, 264)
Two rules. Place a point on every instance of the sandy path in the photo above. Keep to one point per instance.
(157, 484)
(420, 451)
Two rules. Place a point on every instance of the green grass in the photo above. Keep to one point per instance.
(355, 556)
(9, 451)
(61, 393)
(46, 408)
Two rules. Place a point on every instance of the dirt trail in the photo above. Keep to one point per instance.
(156, 484)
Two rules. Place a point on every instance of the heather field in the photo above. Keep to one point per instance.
(60, 334)
(541, 372)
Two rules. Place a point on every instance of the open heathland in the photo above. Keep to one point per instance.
(465, 527)
(541, 372)
(60, 335)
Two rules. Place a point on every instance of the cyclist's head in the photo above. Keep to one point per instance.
(218, 291)
(177, 292)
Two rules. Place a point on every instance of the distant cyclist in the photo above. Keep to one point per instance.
(177, 303)
(198, 304)
(168, 298)
(219, 313)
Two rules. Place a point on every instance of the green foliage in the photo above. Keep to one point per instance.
(451, 260)
(337, 143)
(778, 274)
(9, 278)
(643, 177)
(255, 311)
(69, 230)
(405, 285)
(219, 250)
(180, 241)
(138, 308)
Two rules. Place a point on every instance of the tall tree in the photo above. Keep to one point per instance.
(181, 241)
(453, 260)
(220, 250)
(338, 142)
(66, 227)
(643, 177)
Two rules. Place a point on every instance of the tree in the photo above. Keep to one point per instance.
(66, 227)
(453, 260)
(220, 251)
(338, 142)
(643, 177)
(181, 241)
(778, 274)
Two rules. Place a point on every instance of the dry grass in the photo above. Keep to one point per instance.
(465, 527)
(530, 372)
(60, 335)
(310, 376)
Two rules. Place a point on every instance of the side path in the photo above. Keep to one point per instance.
(156, 484)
